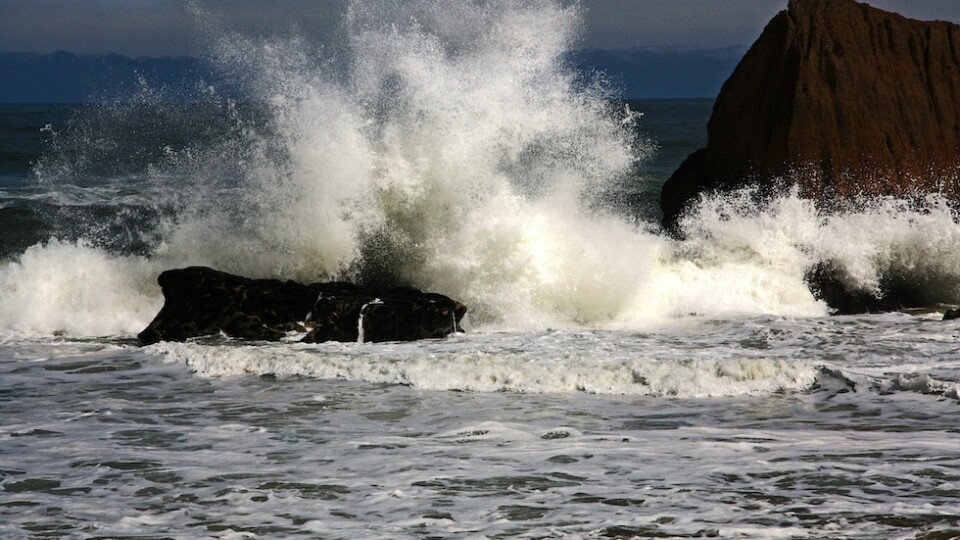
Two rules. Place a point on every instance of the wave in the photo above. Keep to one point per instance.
(67, 288)
(448, 148)
(729, 358)
(501, 362)
(836, 380)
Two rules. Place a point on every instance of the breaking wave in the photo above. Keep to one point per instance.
(449, 148)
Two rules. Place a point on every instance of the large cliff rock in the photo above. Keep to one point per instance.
(839, 98)
(200, 301)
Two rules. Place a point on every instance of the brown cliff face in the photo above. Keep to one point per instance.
(840, 98)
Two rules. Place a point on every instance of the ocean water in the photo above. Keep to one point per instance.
(614, 382)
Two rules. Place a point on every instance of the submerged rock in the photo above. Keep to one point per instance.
(840, 99)
(200, 301)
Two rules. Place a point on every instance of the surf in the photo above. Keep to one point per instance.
(467, 159)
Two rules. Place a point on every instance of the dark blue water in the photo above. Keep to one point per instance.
(86, 171)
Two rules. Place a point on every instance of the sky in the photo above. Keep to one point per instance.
(166, 28)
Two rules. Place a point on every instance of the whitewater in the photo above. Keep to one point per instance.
(614, 381)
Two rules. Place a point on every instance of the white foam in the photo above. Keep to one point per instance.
(62, 287)
(884, 237)
(463, 158)
(485, 363)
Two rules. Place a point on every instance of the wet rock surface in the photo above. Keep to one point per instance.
(200, 301)
(828, 284)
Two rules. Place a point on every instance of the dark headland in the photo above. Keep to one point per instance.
(842, 101)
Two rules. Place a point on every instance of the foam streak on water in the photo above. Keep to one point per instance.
(552, 362)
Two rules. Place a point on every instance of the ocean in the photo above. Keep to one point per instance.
(613, 381)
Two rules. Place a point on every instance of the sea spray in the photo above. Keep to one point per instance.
(448, 148)
(453, 158)
(910, 240)
(61, 287)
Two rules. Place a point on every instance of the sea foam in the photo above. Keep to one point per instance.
(556, 362)
(61, 287)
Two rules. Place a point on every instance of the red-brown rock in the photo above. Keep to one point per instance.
(839, 98)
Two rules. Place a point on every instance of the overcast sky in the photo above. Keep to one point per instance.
(166, 28)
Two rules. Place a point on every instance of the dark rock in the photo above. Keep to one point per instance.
(951, 314)
(827, 284)
(840, 99)
(200, 301)
(393, 315)
(684, 185)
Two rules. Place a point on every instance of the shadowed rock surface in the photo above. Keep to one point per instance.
(827, 284)
(393, 315)
(200, 301)
(843, 101)
(839, 98)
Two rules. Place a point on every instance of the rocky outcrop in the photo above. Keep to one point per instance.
(840, 99)
(392, 315)
(200, 301)
(826, 283)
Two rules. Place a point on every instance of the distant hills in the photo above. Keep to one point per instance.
(64, 77)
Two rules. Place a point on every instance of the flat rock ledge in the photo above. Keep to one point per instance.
(200, 301)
